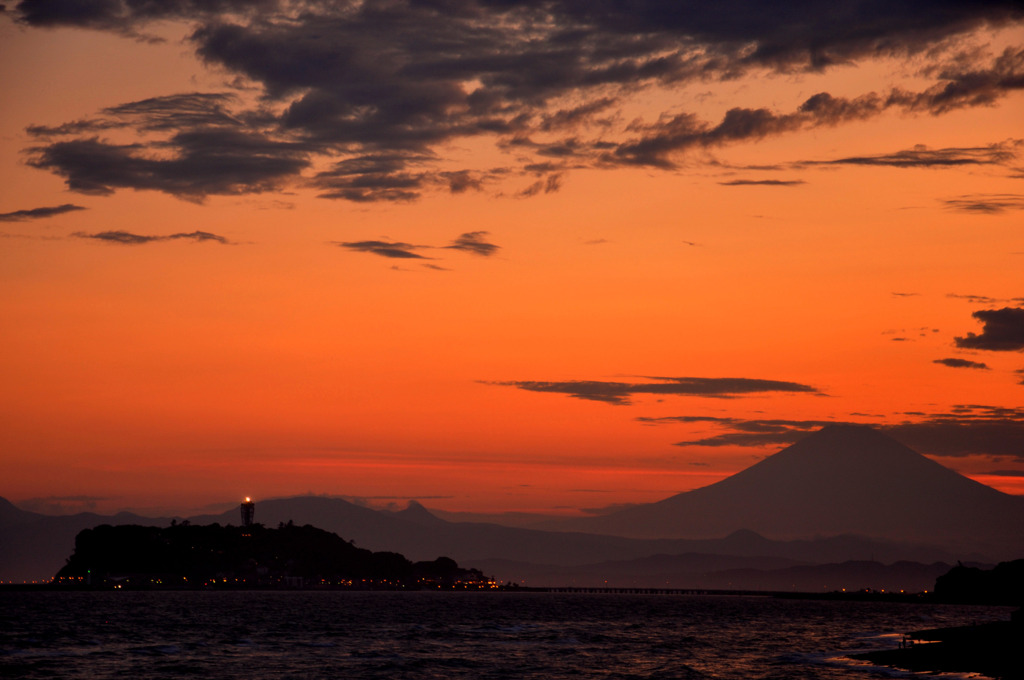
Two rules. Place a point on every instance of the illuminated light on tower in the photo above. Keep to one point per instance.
(248, 510)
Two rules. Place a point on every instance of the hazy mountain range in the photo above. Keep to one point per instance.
(844, 507)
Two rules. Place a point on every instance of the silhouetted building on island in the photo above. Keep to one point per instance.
(248, 510)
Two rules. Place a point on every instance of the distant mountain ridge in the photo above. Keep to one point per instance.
(842, 479)
(34, 546)
(841, 494)
(420, 535)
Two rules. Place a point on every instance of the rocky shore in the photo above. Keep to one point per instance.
(991, 649)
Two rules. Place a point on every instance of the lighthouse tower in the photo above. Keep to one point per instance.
(248, 510)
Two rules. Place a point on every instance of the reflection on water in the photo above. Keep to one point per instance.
(269, 635)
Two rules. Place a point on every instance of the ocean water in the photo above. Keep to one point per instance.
(485, 635)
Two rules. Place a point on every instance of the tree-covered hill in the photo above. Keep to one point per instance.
(1001, 585)
(185, 555)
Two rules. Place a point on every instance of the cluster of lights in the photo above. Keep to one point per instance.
(40, 582)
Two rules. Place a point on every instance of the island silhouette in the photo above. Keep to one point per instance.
(190, 556)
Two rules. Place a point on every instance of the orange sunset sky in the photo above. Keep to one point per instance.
(539, 256)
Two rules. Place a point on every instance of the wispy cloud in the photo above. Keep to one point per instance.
(763, 182)
(682, 132)
(1006, 473)
(129, 238)
(986, 204)
(396, 250)
(961, 363)
(966, 430)
(621, 393)
(978, 299)
(744, 432)
(474, 242)
(39, 213)
(1002, 153)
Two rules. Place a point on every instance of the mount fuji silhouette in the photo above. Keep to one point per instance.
(842, 479)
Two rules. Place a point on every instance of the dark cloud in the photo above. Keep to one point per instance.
(745, 432)
(958, 89)
(575, 116)
(473, 242)
(39, 213)
(176, 112)
(377, 92)
(549, 185)
(736, 34)
(1003, 331)
(961, 363)
(659, 142)
(620, 393)
(396, 250)
(763, 182)
(965, 431)
(961, 86)
(205, 148)
(377, 177)
(77, 127)
(198, 236)
(124, 237)
(201, 163)
(1006, 473)
(896, 294)
(986, 204)
(461, 181)
(922, 157)
(128, 238)
(126, 16)
(167, 113)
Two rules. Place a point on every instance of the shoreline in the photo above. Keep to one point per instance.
(991, 649)
(853, 596)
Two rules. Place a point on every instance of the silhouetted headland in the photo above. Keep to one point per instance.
(992, 649)
(185, 556)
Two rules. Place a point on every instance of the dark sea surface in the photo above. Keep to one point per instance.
(392, 635)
